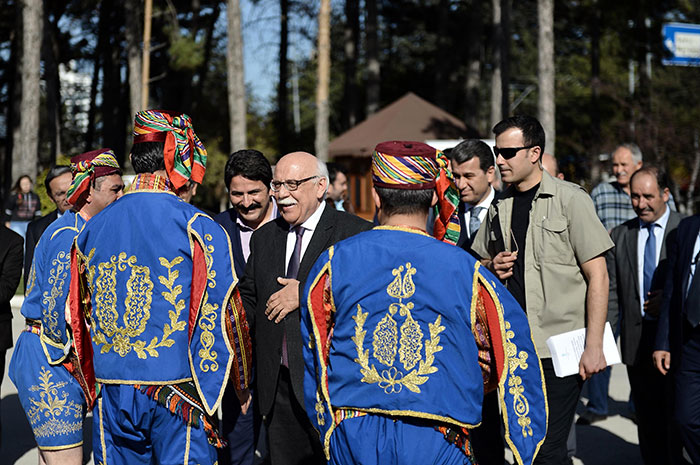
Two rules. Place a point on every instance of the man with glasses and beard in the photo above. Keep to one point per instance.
(543, 238)
(247, 176)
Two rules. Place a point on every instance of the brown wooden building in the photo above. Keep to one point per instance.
(408, 118)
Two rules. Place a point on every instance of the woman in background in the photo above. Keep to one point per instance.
(22, 206)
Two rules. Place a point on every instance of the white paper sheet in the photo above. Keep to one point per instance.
(567, 348)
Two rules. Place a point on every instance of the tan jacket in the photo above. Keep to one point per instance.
(564, 231)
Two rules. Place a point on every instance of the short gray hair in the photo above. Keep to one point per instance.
(634, 150)
(323, 171)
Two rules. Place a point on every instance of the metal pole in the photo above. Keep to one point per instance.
(146, 58)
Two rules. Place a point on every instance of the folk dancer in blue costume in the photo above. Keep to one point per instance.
(404, 333)
(43, 367)
(158, 290)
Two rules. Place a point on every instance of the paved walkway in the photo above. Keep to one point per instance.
(612, 441)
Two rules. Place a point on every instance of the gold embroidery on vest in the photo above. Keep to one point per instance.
(51, 415)
(137, 305)
(31, 280)
(208, 315)
(57, 278)
(392, 379)
(319, 410)
(515, 383)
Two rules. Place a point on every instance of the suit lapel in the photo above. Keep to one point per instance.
(630, 244)
(279, 252)
(673, 220)
(687, 253)
(319, 242)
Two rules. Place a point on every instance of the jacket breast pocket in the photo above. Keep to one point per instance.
(554, 245)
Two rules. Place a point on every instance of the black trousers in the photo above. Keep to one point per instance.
(652, 394)
(292, 439)
(487, 440)
(562, 397)
(687, 380)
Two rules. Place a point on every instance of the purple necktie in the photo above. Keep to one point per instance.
(292, 272)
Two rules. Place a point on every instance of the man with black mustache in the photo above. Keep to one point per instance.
(247, 176)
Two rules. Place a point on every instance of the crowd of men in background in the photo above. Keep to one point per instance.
(569, 260)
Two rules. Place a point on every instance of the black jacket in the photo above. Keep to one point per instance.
(623, 300)
(265, 264)
(34, 231)
(10, 272)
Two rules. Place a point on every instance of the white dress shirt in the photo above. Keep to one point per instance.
(309, 227)
(642, 236)
(485, 203)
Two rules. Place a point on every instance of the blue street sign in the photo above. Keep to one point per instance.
(683, 42)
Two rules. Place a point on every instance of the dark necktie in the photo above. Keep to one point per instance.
(649, 259)
(474, 221)
(692, 300)
(292, 273)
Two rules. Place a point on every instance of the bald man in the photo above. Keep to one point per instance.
(281, 255)
(550, 165)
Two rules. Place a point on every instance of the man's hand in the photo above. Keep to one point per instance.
(284, 301)
(652, 306)
(245, 399)
(502, 264)
(592, 362)
(662, 361)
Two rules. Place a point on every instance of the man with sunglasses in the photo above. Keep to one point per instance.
(543, 238)
(281, 255)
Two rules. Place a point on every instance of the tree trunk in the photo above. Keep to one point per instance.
(236, 80)
(282, 96)
(473, 37)
(133, 52)
(92, 111)
(595, 92)
(324, 77)
(546, 104)
(24, 153)
(496, 89)
(351, 37)
(505, 58)
(444, 55)
(208, 49)
(49, 51)
(373, 68)
(14, 97)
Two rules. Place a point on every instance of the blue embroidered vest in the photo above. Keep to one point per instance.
(138, 254)
(403, 305)
(48, 283)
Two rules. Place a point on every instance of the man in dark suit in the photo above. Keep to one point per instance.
(247, 176)
(282, 253)
(473, 167)
(637, 268)
(10, 273)
(57, 183)
(472, 164)
(677, 347)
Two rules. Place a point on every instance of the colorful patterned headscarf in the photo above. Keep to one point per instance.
(184, 154)
(415, 165)
(88, 166)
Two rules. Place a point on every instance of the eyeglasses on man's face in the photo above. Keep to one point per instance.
(510, 152)
(290, 184)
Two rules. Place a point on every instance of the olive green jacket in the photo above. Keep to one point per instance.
(564, 231)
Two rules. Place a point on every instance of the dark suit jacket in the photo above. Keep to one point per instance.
(673, 328)
(265, 264)
(227, 219)
(623, 301)
(34, 231)
(11, 245)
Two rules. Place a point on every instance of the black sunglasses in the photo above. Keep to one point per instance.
(509, 152)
